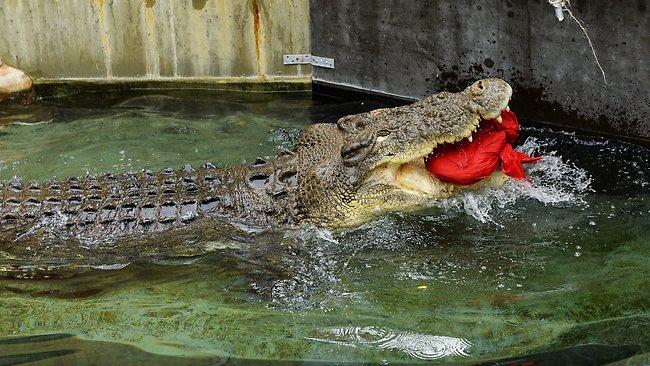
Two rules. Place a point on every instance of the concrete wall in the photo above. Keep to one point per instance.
(155, 39)
(414, 48)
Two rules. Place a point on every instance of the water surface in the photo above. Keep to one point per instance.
(551, 263)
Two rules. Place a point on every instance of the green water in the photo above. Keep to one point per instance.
(146, 132)
(558, 261)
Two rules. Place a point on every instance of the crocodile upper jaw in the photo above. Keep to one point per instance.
(413, 176)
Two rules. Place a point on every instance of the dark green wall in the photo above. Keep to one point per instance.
(413, 48)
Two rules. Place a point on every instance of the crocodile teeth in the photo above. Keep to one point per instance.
(508, 108)
(499, 119)
(470, 138)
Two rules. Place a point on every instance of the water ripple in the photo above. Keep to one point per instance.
(421, 346)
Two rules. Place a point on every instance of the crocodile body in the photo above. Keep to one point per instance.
(116, 205)
(337, 175)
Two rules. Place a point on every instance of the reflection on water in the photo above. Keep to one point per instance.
(420, 346)
(536, 266)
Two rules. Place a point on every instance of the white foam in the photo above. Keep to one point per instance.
(551, 181)
(111, 267)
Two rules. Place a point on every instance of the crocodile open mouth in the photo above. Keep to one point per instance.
(468, 160)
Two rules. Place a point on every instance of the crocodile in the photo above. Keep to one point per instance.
(337, 175)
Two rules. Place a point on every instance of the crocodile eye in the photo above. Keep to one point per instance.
(478, 88)
(382, 135)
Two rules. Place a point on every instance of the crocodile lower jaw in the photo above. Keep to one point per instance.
(413, 176)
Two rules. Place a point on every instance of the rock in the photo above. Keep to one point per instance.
(14, 83)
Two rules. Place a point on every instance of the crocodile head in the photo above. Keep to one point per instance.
(373, 162)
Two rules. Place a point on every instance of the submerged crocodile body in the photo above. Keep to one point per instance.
(337, 175)
(115, 205)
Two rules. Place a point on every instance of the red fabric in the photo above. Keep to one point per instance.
(467, 162)
(509, 125)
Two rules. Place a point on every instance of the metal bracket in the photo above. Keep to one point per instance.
(304, 59)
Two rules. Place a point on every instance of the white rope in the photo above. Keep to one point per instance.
(565, 5)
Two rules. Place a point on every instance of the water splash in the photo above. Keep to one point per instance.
(314, 268)
(416, 345)
(325, 257)
(52, 226)
(111, 267)
(552, 182)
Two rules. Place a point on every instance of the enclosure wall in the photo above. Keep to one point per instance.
(414, 48)
(149, 39)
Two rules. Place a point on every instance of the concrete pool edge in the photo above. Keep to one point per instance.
(52, 88)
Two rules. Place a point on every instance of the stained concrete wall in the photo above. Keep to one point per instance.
(155, 39)
(413, 48)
